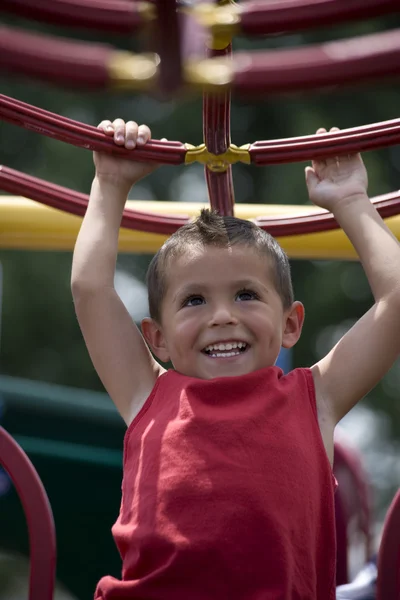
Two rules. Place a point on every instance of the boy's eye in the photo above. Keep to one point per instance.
(244, 295)
(194, 301)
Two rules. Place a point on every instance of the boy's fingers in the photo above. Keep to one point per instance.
(312, 179)
(106, 126)
(119, 131)
(144, 134)
(131, 134)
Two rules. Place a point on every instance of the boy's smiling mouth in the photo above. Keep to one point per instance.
(225, 349)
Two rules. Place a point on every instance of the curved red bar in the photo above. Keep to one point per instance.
(85, 136)
(387, 205)
(39, 517)
(117, 16)
(354, 60)
(73, 202)
(53, 59)
(260, 18)
(347, 141)
(217, 138)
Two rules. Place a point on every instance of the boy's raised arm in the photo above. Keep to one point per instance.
(116, 346)
(367, 351)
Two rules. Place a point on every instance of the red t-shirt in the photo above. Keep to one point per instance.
(227, 493)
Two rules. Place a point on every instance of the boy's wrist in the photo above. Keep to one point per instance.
(350, 202)
(112, 183)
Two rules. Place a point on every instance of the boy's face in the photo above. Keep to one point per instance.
(222, 315)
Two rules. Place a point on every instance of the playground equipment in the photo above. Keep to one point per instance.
(70, 63)
(178, 65)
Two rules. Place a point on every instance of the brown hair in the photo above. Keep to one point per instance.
(211, 229)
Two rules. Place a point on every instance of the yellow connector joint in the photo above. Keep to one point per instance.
(128, 71)
(222, 21)
(217, 162)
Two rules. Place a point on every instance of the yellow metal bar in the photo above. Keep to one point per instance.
(217, 162)
(28, 225)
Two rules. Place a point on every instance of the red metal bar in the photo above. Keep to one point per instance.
(260, 18)
(85, 136)
(354, 60)
(53, 59)
(306, 148)
(221, 191)
(387, 205)
(168, 38)
(117, 16)
(217, 138)
(216, 115)
(39, 517)
(73, 202)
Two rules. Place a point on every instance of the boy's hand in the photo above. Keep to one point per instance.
(118, 170)
(334, 180)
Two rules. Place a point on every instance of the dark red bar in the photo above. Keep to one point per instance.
(114, 16)
(217, 138)
(85, 136)
(306, 148)
(221, 191)
(75, 203)
(350, 61)
(260, 18)
(387, 205)
(53, 59)
(38, 514)
(168, 46)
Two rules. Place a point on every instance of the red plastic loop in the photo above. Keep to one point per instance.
(308, 147)
(260, 18)
(39, 517)
(350, 61)
(54, 59)
(118, 16)
(76, 203)
(85, 136)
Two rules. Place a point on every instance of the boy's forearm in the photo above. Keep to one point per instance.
(96, 247)
(377, 247)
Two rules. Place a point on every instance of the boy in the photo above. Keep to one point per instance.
(228, 488)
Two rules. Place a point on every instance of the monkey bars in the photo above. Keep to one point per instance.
(97, 66)
(178, 63)
(253, 18)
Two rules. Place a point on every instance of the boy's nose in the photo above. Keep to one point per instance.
(223, 315)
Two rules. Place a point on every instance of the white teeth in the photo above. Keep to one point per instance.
(223, 347)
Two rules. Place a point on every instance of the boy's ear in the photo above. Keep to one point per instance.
(154, 336)
(293, 324)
